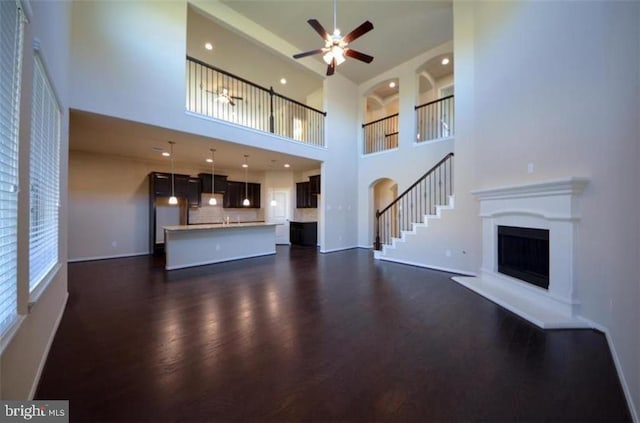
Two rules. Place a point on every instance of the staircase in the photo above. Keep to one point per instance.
(401, 226)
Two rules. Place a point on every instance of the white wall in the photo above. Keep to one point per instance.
(338, 208)
(23, 358)
(568, 104)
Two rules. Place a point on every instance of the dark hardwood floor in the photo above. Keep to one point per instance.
(302, 336)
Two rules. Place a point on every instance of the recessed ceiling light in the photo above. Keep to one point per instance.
(445, 61)
(208, 46)
(209, 160)
(245, 165)
(166, 153)
(287, 165)
(392, 84)
(283, 81)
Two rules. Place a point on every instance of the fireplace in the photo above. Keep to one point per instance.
(523, 253)
(528, 241)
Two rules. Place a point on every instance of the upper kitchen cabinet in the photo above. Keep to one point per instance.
(220, 183)
(236, 193)
(314, 184)
(161, 184)
(194, 188)
(304, 198)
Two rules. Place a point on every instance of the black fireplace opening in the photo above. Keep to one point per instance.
(523, 253)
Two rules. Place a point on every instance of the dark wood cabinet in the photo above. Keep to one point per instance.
(160, 183)
(236, 193)
(181, 185)
(314, 184)
(254, 195)
(303, 233)
(220, 183)
(304, 198)
(233, 195)
(194, 188)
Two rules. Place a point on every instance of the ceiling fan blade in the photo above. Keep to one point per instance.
(331, 68)
(307, 53)
(231, 102)
(358, 32)
(319, 28)
(358, 55)
(236, 97)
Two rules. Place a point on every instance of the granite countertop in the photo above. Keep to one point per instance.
(215, 226)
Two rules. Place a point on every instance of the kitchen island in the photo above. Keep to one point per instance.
(197, 245)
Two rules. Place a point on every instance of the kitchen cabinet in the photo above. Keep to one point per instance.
(181, 185)
(235, 195)
(160, 184)
(304, 199)
(254, 195)
(220, 183)
(194, 188)
(314, 184)
(303, 233)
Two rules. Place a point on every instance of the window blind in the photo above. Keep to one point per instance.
(44, 173)
(10, 70)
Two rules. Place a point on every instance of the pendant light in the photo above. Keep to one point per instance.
(173, 200)
(246, 201)
(212, 200)
(273, 193)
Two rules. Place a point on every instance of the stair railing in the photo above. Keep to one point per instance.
(430, 190)
(216, 93)
(435, 119)
(381, 134)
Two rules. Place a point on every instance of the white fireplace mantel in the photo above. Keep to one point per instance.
(553, 206)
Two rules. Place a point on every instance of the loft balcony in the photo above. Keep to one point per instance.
(434, 120)
(218, 94)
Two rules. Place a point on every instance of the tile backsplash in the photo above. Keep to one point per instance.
(305, 215)
(216, 214)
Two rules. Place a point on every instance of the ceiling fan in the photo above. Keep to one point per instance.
(223, 96)
(335, 46)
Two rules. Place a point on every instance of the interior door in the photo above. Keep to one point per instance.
(280, 215)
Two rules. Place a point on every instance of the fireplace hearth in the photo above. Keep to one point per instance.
(528, 242)
(523, 253)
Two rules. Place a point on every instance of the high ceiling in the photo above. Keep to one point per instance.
(402, 29)
(240, 56)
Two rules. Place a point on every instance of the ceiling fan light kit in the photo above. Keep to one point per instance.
(335, 48)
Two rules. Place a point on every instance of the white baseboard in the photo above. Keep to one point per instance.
(43, 359)
(333, 250)
(428, 266)
(616, 362)
(366, 247)
(79, 259)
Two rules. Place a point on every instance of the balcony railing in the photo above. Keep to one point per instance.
(221, 95)
(381, 134)
(435, 119)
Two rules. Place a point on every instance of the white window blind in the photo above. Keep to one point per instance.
(10, 70)
(44, 174)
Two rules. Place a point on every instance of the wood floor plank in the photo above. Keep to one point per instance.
(302, 336)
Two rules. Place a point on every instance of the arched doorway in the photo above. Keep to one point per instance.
(383, 192)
